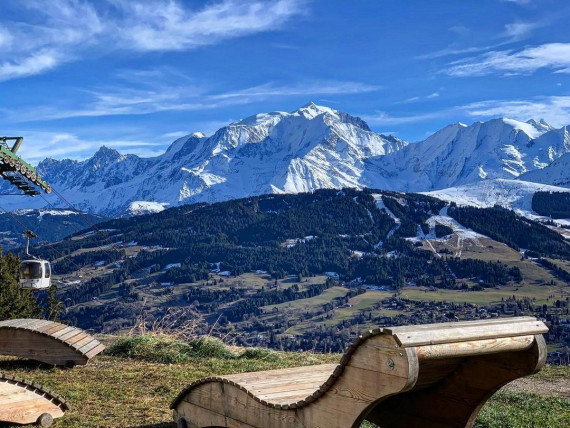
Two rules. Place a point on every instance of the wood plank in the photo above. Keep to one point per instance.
(286, 397)
(198, 417)
(76, 338)
(98, 349)
(47, 327)
(54, 329)
(86, 348)
(70, 335)
(475, 347)
(446, 325)
(62, 332)
(468, 332)
(292, 385)
(82, 342)
(282, 373)
(279, 380)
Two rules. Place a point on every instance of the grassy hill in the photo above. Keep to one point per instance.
(133, 384)
(259, 268)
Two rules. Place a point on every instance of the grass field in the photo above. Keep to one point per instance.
(136, 392)
(487, 296)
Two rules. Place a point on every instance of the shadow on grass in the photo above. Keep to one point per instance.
(23, 364)
(159, 425)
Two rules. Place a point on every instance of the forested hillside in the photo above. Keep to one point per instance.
(309, 271)
(517, 232)
(552, 204)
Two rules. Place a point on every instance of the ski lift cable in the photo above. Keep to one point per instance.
(26, 228)
(43, 241)
(101, 247)
(58, 253)
(93, 226)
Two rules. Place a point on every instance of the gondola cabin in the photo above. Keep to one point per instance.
(35, 275)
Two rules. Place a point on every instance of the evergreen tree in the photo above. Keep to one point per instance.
(14, 303)
(53, 308)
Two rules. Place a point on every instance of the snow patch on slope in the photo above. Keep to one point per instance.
(145, 207)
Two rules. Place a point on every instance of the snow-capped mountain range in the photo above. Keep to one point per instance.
(313, 147)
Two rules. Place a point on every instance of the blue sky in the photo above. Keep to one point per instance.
(135, 75)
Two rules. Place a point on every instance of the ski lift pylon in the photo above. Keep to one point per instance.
(17, 171)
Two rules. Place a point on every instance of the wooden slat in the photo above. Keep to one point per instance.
(467, 332)
(82, 342)
(447, 325)
(55, 329)
(280, 373)
(62, 332)
(47, 341)
(276, 375)
(75, 339)
(98, 349)
(70, 335)
(86, 348)
(475, 347)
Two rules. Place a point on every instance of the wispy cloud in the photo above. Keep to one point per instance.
(517, 1)
(66, 27)
(554, 56)
(35, 63)
(381, 118)
(555, 109)
(168, 25)
(519, 30)
(420, 98)
(61, 31)
(305, 88)
(41, 144)
(166, 89)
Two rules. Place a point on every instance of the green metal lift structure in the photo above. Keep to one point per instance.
(17, 171)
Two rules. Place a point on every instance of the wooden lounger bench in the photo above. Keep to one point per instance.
(23, 402)
(437, 375)
(47, 341)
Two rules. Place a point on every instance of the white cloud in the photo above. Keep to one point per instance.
(518, 30)
(384, 119)
(555, 109)
(41, 144)
(175, 134)
(167, 25)
(459, 29)
(68, 30)
(34, 64)
(555, 56)
(162, 91)
(418, 98)
(305, 88)
(518, 1)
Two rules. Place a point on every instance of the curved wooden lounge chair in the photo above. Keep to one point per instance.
(23, 402)
(47, 341)
(437, 375)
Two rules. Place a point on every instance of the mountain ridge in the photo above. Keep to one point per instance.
(310, 148)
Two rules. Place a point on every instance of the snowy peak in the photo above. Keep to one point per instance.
(556, 174)
(458, 154)
(307, 149)
(310, 148)
(312, 110)
(106, 155)
(541, 125)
